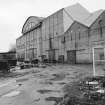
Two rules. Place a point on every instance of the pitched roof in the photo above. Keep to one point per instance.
(92, 18)
(78, 13)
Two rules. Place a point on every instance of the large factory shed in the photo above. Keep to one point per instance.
(67, 35)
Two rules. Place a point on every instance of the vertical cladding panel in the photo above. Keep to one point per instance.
(47, 28)
(20, 42)
(60, 51)
(47, 44)
(59, 39)
(44, 45)
(46, 54)
(73, 45)
(47, 32)
(38, 51)
(51, 31)
(53, 43)
(51, 20)
(34, 34)
(67, 36)
(51, 28)
(56, 54)
(55, 31)
(55, 19)
(42, 33)
(43, 30)
(33, 39)
(62, 44)
(95, 36)
(42, 48)
(26, 37)
(65, 55)
(60, 29)
(30, 36)
(34, 42)
(56, 43)
(68, 45)
(60, 17)
(24, 41)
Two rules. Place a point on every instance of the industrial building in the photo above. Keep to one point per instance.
(67, 35)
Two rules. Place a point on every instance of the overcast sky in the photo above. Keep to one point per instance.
(13, 14)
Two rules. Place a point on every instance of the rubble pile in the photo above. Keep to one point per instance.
(88, 91)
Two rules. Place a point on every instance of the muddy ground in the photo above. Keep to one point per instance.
(40, 86)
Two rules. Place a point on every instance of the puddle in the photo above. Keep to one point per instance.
(22, 80)
(11, 94)
(47, 91)
(58, 77)
(36, 100)
(56, 99)
(75, 72)
(46, 82)
(44, 91)
(62, 83)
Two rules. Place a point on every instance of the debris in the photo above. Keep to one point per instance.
(89, 91)
(92, 83)
(101, 91)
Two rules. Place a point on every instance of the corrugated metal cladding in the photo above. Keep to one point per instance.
(65, 36)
